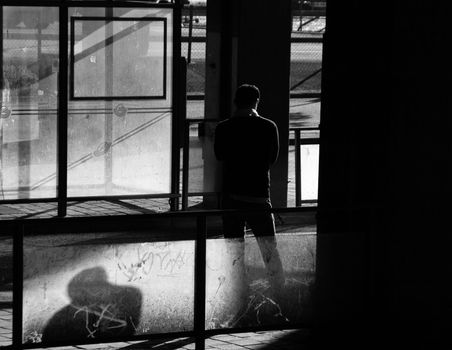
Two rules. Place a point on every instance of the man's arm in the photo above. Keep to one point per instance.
(274, 145)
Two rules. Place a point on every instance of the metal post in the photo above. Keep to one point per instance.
(300, 26)
(200, 283)
(176, 104)
(297, 168)
(108, 124)
(185, 165)
(190, 33)
(62, 123)
(18, 261)
(179, 126)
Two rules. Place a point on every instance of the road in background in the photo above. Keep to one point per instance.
(304, 112)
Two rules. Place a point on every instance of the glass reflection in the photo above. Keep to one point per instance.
(261, 281)
(77, 290)
(29, 95)
(120, 146)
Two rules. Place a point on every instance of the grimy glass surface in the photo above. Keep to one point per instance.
(29, 96)
(264, 281)
(123, 145)
(90, 287)
(119, 57)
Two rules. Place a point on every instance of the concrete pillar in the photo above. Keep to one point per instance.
(249, 42)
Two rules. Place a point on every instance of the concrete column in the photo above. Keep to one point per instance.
(248, 41)
(263, 59)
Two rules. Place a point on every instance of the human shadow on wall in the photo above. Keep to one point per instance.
(97, 310)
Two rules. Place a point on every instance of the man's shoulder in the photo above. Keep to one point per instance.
(247, 122)
(267, 121)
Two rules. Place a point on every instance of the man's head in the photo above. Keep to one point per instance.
(247, 96)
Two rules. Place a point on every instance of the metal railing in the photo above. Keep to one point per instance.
(298, 141)
(21, 229)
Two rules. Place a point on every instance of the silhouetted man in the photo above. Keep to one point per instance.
(248, 145)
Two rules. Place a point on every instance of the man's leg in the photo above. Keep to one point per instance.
(263, 226)
(233, 224)
(234, 233)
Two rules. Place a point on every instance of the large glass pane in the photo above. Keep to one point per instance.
(120, 105)
(261, 281)
(85, 287)
(29, 98)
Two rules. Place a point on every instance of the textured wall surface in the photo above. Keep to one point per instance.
(95, 291)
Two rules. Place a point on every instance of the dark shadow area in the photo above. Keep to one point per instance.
(98, 310)
(297, 339)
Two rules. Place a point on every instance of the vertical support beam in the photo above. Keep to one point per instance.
(62, 123)
(264, 60)
(177, 101)
(190, 33)
(109, 58)
(18, 259)
(200, 282)
(184, 129)
(185, 165)
(297, 168)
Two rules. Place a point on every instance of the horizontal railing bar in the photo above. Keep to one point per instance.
(315, 128)
(122, 197)
(201, 96)
(88, 198)
(318, 39)
(201, 120)
(116, 221)
(305, 94)
(306, 141)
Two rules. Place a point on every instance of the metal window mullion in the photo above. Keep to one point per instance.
(176, 120)
(62, 124)
(185, 165)
(297, 168)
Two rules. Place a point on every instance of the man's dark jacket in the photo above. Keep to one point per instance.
(247, 146)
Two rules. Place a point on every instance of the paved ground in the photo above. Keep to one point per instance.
(283, 340)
